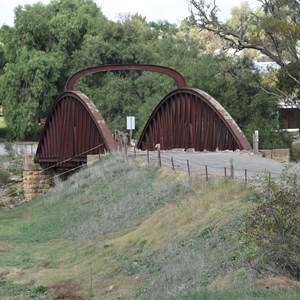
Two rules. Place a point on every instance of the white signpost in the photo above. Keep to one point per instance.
(255, 142)
(130, 125)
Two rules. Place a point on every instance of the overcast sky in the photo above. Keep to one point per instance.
(173, 11)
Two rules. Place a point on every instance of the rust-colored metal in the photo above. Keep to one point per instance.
(185, 118)
(190, 118)
(180, 81)
(73, 130)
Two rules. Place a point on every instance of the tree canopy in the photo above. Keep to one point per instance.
(272, 29)
(48, 43)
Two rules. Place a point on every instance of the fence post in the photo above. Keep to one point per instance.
(225, 171)
(269, 183)
(231, 168)
(206, 173)
(158, 155)
(148, 160)
(246, 177)
(172, 163)
(188, 166)
(134, 152)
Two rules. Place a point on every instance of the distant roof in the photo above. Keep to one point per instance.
(264, 66)
(289, 103)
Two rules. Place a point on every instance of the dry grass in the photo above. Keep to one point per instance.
(122, 230)
(278, 282)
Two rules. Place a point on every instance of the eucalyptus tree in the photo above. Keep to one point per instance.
(272, 29)
(38, 52)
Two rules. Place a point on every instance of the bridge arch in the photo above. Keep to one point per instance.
(180, 81)
(185, 118)
(190, 118)
(73, 130)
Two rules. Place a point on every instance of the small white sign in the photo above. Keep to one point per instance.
(130, 123)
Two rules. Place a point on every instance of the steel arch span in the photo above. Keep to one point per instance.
(185, 118)
(190, 118)
(73, 130)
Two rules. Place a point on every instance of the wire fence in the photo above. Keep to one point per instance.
(47, 169)
(167, 159)
(193, 166)
(208, 171)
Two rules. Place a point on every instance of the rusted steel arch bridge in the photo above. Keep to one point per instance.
(185, 118)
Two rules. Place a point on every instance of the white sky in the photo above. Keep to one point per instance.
(173, 11)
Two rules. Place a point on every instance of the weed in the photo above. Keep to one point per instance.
(9, 289)
(273, 229)
(296, 152)
(66, 290)
(124, 231)
(4, 177)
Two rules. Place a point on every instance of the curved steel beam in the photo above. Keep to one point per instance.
(180, 81)
(74, 129)
(191, 118)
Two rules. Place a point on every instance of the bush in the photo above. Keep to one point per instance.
(296, 152)
(9, 148)
(273, 229)
(4, 177)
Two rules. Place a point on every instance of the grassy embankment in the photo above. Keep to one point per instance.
(123, 230)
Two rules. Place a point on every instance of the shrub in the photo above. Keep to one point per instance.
(4, 177)
(9, 147)
(273, 229)
(296, 152)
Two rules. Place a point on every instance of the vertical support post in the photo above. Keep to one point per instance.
(188, 166)
(269, 183)
(291, 151)
(134, 152)
(172, 160)
(255, 142)
(130, 135)
(148, 159)
(206, 173)
(246, 177)
(231, 168)
(120, 146)
(125, 144)
(225, 172)
(158, 155)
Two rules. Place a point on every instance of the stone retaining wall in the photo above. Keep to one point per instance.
(35, 179)
(277, 154)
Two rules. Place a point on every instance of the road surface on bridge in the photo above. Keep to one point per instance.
(216, 162)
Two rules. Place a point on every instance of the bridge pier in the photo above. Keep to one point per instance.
(36, 180)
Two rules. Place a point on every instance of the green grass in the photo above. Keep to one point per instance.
(2, 122)
(238, 294)
(9, 290)
(5, 158)
(140, 231)
(296, 152)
